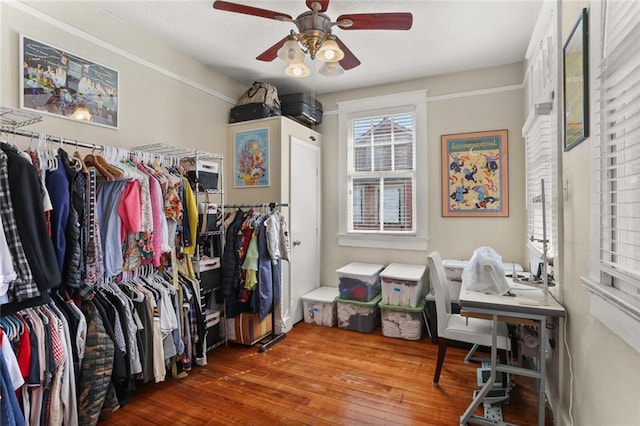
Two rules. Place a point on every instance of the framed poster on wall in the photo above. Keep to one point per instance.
(576, 84)
(251, 159)
(475, 174)
(56, 82)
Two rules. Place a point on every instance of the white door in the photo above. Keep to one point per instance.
(304, 208)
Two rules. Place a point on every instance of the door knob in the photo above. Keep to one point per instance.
(297, 243)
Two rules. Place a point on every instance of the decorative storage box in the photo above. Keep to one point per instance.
(201, 172)
(212, 324)
(359, 281)
(208, 217)
(402, 321)
(247, 328)
(209, 270)
(319, 306)
(402, 284)
(358, 316)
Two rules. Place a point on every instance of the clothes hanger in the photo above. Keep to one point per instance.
(79, 162)
(52, 156)
(8, 327)
(90, 160)
(113, 170)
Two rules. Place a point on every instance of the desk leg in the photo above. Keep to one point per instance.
(492, 378)
(542, 345)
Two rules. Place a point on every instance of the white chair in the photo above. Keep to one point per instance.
(451, 326)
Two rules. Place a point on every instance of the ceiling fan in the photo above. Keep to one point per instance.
(314, 29)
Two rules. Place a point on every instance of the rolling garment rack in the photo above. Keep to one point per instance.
(275, 337)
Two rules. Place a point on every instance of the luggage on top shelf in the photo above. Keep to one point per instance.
(302, 107)
(258, 101)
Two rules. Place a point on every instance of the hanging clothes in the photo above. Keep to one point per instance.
(71, 273)
(31, 227)
(251, 262)
(87, 314)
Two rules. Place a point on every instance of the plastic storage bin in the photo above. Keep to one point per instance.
(319, 306)
(402, 322)
(402, 284)
(358, 316)
(359, 281)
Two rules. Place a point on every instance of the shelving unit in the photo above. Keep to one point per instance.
(210, 243)
(15, 118)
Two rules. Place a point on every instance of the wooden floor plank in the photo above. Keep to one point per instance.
(321, 376)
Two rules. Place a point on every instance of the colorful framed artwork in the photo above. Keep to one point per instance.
(575, 61)
(251, 159)
(475, 174)
(56, 82)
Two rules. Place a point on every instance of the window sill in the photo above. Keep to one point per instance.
(616, 310)
(393, 242)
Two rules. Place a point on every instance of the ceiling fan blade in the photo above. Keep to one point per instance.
(249, 10)
(349, 61)
(271, 53)
(377, 21)
(324, 4)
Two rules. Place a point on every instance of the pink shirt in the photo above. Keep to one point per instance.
(130, 209)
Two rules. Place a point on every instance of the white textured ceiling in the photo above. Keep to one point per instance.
(447, 36)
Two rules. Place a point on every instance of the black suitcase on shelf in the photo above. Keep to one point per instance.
(302, 107)
(251, 112)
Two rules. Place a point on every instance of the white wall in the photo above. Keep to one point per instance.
(489, 99)
(606, 383)
(165, 96)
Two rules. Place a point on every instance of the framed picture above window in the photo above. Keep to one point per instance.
(576, 84)
(475, 174)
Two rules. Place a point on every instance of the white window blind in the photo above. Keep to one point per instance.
(381, 175)
(620, 147)
(541, 166)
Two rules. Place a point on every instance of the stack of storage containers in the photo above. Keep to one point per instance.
(357, 304)
(402, 303)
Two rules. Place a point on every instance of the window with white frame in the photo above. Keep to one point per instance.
(541, 165)
(381, 141)
(382, 173)
(615, 279)
(620, 148)
(539, 132)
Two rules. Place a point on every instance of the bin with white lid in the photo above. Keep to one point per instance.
(319, 306)
(359, 281)
(402, 284)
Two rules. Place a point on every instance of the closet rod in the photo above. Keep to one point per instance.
(58, 139)
(166, 150)
(248, 206)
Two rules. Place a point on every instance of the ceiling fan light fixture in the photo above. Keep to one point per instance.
(330, 51)
(331, 69)
(297, 70)
(291, 52)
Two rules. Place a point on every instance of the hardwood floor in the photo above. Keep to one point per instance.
(321, 376)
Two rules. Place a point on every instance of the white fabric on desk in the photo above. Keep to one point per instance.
(485, 273)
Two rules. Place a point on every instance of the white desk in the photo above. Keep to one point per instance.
(527, 303)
